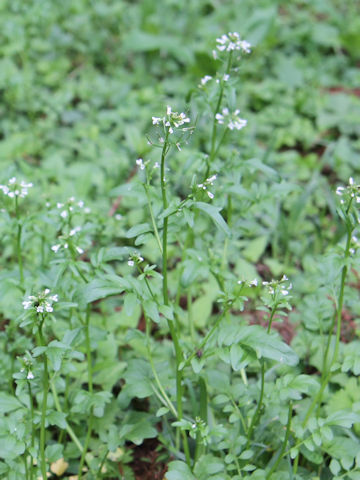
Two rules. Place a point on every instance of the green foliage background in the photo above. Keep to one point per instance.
(79, 83)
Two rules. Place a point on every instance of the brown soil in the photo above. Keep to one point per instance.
(146, 465)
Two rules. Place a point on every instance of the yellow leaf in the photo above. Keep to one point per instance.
(59, 467)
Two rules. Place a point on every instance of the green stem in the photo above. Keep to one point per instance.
(207, 337)
(156, 231)
(165, 398)
(326, 379)
(18, 242)
(174, 337)
(32, 427)
(90, 387)
(213, 149)
(99, 475)
(69, 430)
(257, 413)
(44, 403)
(285, 442)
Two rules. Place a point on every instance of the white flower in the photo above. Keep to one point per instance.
(140, 163)
(79, 250)
(74, 231)
(171, 121)
(254, 282)
(41, 303)
(64, 214)
(205, 79)
(210, 195)
(48, 307)
(56, 248)
(232, 120)
(231, 42)
(30, 375)
(135, 258)
(349, 192)
(15, 189)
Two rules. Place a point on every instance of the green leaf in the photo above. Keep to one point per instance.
(138, 230)
(130, 303)
(179, 471)
(10, 447)
(343, 418)
(57, 418)
(138, 427)
(334, 466)
(255, 337)
(54, 452)
(151, 310)
(8, 403)
(102, 288)
(214, 214)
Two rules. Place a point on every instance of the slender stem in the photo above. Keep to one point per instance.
(166, 399)
(174, 337)
(98, 475)
(283, 446)
(207, 337)
(213, 149)
(69, 430)
(203, 414)
(156, 231)
(256, 416)
(341, 297)
(326, 379)
(257, 413)
(44, 403)
(18, 242)
(190, 315)
(90, 387)
(32, 427)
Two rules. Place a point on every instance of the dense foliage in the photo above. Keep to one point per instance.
(187, 277)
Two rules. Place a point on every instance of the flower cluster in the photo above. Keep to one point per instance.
(172, 120)
(135, 259)
(279, 287)
(355, 245)
(71, 206)
(66, 240)
(41, 303)
(15, 189)
(352, 191)
(248, 283)
(205, 80)
(204, 186)
(231, 42)
(27, 361)
(231, 119)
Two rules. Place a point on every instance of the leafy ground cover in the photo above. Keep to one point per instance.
(179, 291)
